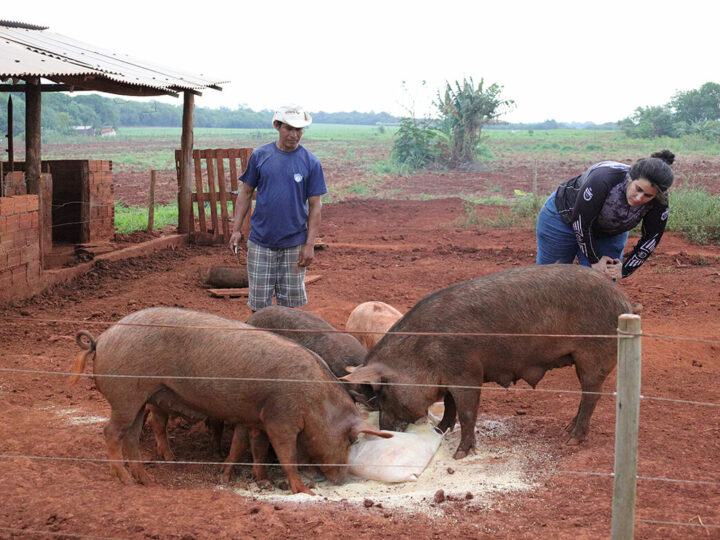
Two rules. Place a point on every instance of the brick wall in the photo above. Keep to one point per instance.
(101, 197)
(20, 272)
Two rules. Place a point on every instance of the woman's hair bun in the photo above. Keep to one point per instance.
(666, 155)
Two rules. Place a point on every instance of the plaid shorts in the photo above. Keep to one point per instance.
(274, 271)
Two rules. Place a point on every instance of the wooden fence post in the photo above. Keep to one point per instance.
(627, 415)
(33, 138)
(151, 202)
(186, 164)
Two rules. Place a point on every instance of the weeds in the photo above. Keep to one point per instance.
(695, 213)
(700, 260)
(471, 218)
(358, 188)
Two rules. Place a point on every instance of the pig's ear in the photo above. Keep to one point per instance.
(366, 427)
(364, 375)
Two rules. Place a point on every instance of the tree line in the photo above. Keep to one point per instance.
(688, 112)
(63, 113)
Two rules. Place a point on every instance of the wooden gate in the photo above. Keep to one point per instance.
(216, 185)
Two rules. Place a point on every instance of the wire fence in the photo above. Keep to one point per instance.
(245, 328)
(618, 336)
(456, 466)
(318, 381)
(58, 533)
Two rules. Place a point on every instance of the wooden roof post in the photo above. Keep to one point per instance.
(10, 137)
(186, 164)
(33, 109)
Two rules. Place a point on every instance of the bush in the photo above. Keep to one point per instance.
(695, 214)
(415, 144)
(708, 129)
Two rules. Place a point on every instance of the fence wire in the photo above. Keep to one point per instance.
(347, 465)
(58, 533)
(316, 331)
(317, 381)
(678, 523)
(92, 537)
(621, 334)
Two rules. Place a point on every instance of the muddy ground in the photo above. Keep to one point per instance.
(396, 251)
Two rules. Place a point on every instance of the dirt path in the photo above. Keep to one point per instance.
(397, 252)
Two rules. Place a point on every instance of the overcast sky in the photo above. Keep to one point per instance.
(564, 60)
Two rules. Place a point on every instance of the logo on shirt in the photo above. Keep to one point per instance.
(298, 177)
(665, 214)
(587, 194)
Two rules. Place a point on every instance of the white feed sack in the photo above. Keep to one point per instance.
(401, 458)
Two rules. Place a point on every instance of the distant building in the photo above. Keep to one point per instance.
(108, 132)
(84, 130)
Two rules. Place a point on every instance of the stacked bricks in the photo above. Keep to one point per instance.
(101, 199)
(20, 272)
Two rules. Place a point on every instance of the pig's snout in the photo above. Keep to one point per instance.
(390, 423)
(336, 475)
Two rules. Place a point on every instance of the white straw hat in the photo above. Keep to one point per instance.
(292, 115)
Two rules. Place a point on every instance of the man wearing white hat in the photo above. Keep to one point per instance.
(289, 182)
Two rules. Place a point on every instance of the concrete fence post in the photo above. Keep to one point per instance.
(627, 416)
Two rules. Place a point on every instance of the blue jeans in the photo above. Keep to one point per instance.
(556, 241)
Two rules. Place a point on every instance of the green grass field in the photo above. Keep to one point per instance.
(590, 145)
(695, 211)
(141, 149)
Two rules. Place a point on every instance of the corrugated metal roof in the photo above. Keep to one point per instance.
(39, 53)
(18, 24)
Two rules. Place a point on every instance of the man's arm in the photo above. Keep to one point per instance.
(307, 253)
(242, 207)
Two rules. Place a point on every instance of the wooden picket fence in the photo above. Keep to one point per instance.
(215, 191)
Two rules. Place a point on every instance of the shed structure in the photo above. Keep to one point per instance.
(34, 60)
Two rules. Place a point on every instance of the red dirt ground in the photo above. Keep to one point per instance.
(397, 252)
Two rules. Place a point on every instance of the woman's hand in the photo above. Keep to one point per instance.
(609, 267)
(615, 269)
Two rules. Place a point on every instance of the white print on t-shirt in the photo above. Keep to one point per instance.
(298, 177)
(587, 194)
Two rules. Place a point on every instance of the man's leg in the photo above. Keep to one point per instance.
(290, 287)
(556, 242)
(261, 278)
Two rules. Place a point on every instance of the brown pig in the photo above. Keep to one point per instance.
(369, 321)
(338, 349)
(554, 299)
(225, 370)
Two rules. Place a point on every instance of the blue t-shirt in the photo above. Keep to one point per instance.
(284, 182)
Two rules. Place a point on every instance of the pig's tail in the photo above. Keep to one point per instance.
(87, 343)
